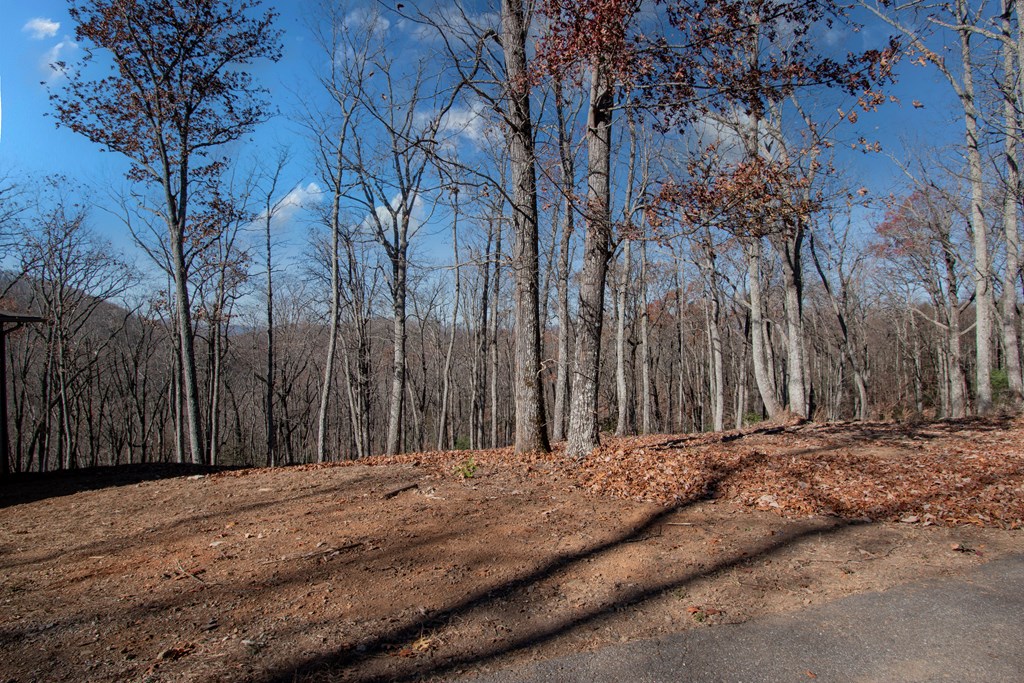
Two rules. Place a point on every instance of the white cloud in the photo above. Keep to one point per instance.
(787, 31)
(418, 216)
(40, 28)
(359, 23)
(367, 19)
(301, 197)
(466, 122)
(461, 123)
(61, 52)
(724, 132)
(454, 22)
(835, 37)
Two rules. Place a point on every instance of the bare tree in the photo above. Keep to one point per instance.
(531, 428)
(918, 237)
(179, 89)
(72, 275)
(444, 427)
(839, 265)
(567, 167)
(584, 433)
(349, 51)
(963, 19)
(390, 178)
(271, 208)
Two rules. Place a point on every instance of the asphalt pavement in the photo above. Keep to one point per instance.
(959, 629)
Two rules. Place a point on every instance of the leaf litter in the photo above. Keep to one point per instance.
(402, 568)
(945, 473)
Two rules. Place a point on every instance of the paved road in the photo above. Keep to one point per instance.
(968, 629)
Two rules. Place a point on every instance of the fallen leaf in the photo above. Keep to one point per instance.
(173, 653)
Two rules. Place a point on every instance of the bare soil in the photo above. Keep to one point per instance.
(408, 568)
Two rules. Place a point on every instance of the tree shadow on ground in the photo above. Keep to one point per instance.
(921, 430)
(850, 431)
(372, 652)
(344, 663)
(173, 530)
(29, 487)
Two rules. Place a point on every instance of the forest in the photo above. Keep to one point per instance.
(520, 224)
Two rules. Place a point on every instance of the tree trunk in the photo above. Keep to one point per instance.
(584, 433)
(335, 323)
(215, 389)
(847, 341)
(955, 371)
(186, 338)
(624, 425)
(494, 336)
(717, 361)
(361, 319)
(481, 333)
(531, 430)
(396, 405)
(1011, 201)
(446, 375)
(564, 326)
(645, 344)
(792, 278)
(982, 272)
(741, 379)
(269, 396)
(763, 373)
(177, 408)
(681, 333)
(954, 356)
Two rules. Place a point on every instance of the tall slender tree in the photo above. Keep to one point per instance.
(531, 423)
(178, 86)
(592, 35)
(915, 21)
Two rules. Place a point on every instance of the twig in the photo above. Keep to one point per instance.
(761, 431)
(825, 559)
(315, 553)
(188, 573)
(641, 539)
(680, 524)
(328, 551)
(394, 492)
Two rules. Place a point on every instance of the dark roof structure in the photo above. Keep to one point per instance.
(19, 318)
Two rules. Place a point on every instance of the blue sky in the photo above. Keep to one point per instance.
(31, 145)
(33, 35)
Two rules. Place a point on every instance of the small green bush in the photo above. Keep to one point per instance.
(466, 469)
(1000, 379)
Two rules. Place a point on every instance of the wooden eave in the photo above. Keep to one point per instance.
(19, 318)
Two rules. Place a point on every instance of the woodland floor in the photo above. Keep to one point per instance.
(402, 569)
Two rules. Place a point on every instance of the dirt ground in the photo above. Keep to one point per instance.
(408, 569)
